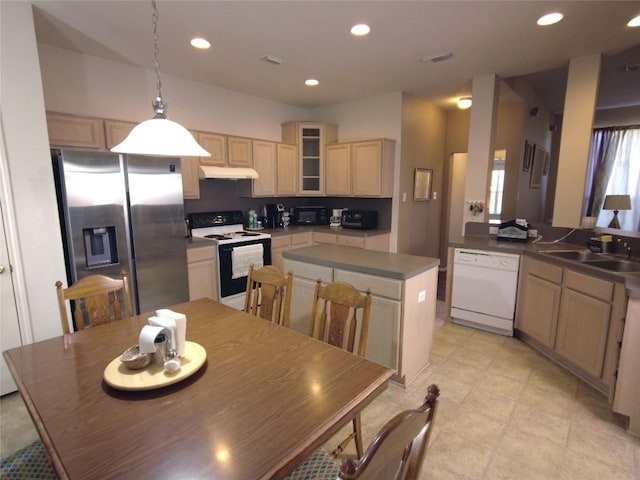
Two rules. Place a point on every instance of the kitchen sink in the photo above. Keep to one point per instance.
(615, 265)
(578, 255)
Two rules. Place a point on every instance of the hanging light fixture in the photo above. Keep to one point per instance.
(160, 136)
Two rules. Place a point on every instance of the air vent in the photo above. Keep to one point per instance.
(438, 58)
(272, 59)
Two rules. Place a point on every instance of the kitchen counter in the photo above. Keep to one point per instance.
(384, 264)
(325, 229)
(631, 280)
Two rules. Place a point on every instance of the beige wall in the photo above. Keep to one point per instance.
(423, 146)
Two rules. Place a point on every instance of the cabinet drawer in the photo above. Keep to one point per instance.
(281, 241)
(300, 239)
(588, 285)
(309, 271)
(200, 253)
(384, 287)
(350, 241)
(321, 237)
(549, 272)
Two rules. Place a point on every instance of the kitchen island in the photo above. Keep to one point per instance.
(403, 289)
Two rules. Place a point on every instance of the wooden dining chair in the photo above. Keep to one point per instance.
(98, 299)
(269, 294)
(340, 316)
(396, 452)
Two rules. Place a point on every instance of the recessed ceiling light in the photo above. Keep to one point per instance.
(550, 19)
(360, 30)
(200, 43)
(312, 82)
(634, 22)
(464, 103)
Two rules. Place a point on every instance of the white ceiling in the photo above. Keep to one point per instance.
(313, 38)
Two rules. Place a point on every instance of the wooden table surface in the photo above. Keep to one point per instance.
(266, 397)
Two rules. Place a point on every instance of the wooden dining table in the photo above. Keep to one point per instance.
(264, 399)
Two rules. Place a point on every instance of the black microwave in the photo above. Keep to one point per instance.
(360, 219)
(309, 216)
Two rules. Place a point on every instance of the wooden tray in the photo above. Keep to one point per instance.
(120, 377)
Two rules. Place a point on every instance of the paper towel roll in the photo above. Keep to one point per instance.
(147, 338)
(181, 327)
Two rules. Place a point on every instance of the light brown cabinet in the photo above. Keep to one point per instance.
(311, 139)
(287, 168)
(190, 177)
(539, 302)
(75, 132)
(265, 163)
(372, 168)
(215, 144)
(338, 168)
(116, 131)
(573, 317)
(239, 152)
(201, 270)
(360, 169)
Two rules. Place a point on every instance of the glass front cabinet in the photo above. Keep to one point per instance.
(311, 139)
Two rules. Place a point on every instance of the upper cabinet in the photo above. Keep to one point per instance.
(116, 131)
(239, 151)
(310, 138)
(276, 164)
(360, 169)
(287, 169)
(76, 132)
(215, 144)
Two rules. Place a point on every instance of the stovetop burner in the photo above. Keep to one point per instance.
(227, 236)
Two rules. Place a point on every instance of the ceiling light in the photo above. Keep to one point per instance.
(464, 103)
(160, 136)
(200, 43)
(360, 30)
(550, 19)
(312, 82)
(272, 59)
(634, 22)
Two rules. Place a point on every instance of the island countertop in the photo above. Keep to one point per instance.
(384, 264)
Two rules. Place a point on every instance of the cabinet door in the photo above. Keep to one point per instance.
(279, 244)
(311, 165)
(72, 131)
(239, 151)
(287, 168)
(264, 162)
(583, 324)
(350, 241)
(538, 309)
(323, 237)
(116, 131)
(338, 170)
(301, 302)
(201, 270)
(383, 341)
(372, 168)
(216, 145)
(190, 177)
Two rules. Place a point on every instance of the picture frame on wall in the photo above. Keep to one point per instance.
(422, 184)
(528, 154)
(537, 167)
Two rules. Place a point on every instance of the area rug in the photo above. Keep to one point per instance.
(29, 463)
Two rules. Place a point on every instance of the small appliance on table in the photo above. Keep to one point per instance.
(236, 249)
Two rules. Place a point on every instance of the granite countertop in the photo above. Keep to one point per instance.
(536, 250)
(384, 264)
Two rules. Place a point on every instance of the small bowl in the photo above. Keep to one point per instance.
(134, 360)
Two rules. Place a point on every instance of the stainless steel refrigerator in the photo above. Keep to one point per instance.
(124, 212)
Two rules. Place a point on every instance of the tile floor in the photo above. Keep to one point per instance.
(506, 412)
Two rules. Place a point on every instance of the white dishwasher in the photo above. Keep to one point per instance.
(484, 289)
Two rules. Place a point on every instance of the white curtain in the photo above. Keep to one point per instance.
(624, 177)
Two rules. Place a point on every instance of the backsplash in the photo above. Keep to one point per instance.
(218, 195)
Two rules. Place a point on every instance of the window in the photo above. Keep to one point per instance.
(497, 186)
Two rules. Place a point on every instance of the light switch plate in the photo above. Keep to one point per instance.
(422, 295)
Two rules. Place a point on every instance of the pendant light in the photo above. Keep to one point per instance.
(160, 136)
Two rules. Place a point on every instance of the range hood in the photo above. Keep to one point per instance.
(230, 173)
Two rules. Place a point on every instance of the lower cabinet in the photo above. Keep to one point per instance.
(573, 317)
(279, 244)
(201, 269)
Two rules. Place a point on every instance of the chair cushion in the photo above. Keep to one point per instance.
(31, 462)
(317, 466)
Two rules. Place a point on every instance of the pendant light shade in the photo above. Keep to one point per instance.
(160, 136)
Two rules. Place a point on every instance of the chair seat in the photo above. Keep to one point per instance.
(31, 462)
(317, 466)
